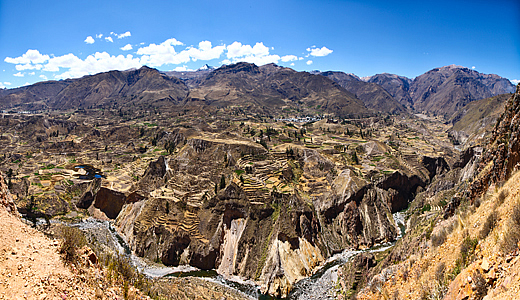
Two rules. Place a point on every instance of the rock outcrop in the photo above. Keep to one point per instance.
(253, 226)
(502, 155)
(6, 200)
(354, 273)
(445, 90)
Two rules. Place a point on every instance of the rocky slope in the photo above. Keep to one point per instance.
(6, 200)
(470, 248)
(397, 86)
(443, 91)
(32, 268)
(473, 123)
(137, 88)
(270, 88)
(272, 217)
(501, 157)
(373, 95)
(472, 255)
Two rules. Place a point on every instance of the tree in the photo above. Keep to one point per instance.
(222, 182)
(355, 158)
(263, 143)
(169, 146)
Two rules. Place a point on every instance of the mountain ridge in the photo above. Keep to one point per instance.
(268, 88)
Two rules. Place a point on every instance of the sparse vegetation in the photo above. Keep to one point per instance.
(72, 240)
(488, 225)
(439, 239)
(511, 237)
(502, 195)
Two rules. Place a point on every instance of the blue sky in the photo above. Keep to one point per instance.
(51, 40)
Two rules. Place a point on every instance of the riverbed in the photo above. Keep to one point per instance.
(320, 286)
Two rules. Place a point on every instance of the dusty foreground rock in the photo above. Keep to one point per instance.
(31, 267)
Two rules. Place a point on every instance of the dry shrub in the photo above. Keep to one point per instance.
(478, 201)
(439, 271)
(511, 236)
(73, 239)
(467, 249)
(501, 197)
(488, 225)
(480, 285)
(515, 216)
(439, 238)
(121, 266)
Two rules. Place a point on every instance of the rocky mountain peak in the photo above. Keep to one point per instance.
(237, 68)
(444, 90)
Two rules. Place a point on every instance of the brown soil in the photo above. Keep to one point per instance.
(32, 268)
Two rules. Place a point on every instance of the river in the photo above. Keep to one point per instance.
(320, 286)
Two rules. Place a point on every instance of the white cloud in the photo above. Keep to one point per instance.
(126, 47)
(171, 51)
(261, 60)
(32, 73)
(165, 47)
(515, 81)
(28, 67)
(258, 54)
(164, 53)
(323, 51)
(26, 83)
(182, 69)
(64, 61)
(2, 86)
(205, 51)
(89, 40)
(309, 62)
(288, 58)
(95, 63)
(292, 64)
(31, 56)
(238, 50)
(98, 62)
(7, 83)
(123, 35)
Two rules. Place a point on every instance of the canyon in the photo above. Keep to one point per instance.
(213, 169)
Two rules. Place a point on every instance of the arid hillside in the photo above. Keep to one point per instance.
(470, 248)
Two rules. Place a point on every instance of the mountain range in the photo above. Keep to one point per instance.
(269, 90)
